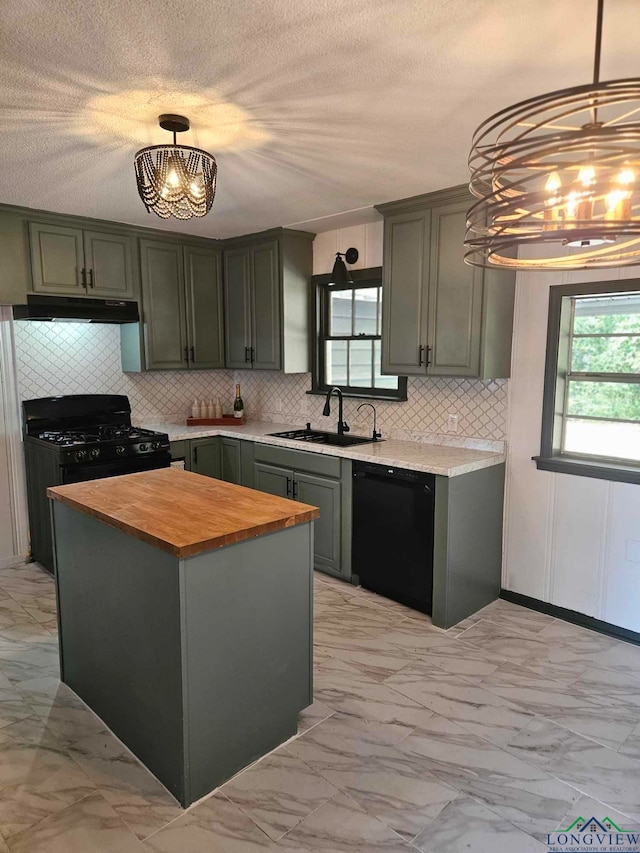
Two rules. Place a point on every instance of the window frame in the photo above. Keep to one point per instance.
(320, 289)
(558, 354)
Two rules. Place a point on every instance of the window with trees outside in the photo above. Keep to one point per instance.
(348, 355)
(592, 389)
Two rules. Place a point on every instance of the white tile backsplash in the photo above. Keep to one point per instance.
(75, 358)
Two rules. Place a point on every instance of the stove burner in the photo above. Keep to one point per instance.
(68, 438)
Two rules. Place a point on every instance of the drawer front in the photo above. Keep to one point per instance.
(313, 463)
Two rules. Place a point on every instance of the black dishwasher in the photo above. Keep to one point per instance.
(393, 532)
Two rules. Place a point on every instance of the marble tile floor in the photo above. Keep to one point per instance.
(481, 738)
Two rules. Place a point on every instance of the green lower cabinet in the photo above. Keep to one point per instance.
(326, 495)
(180, 450)
(331, 494)
(272, 479)
(231, 462)
(206, 457)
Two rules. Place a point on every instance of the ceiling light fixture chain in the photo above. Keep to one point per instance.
(560, 168)
(176, 180)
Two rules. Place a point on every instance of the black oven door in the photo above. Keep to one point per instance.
(115, 468)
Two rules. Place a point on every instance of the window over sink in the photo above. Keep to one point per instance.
(591, 413)
(348, 323)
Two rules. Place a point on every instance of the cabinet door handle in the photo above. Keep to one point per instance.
(195, 455)
(288, 486)
(186, 354)
(295, 490)
(83, 273)
(91, 278)
(252, 355)
(428, 362)
(247, 353)
(420, 355)
(192, 350)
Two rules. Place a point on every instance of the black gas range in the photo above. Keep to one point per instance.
(76, 438)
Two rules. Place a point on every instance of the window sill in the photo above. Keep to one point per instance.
(622, 473)
(367, 395)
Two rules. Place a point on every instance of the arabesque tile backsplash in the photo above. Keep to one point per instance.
(75, 358)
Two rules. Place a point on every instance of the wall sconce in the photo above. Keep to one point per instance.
(340, 274)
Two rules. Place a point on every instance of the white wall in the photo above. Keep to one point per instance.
(571, 541)
(367, 239)
(13, 533)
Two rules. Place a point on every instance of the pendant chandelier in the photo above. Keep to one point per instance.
(564, 169)
(176, 180)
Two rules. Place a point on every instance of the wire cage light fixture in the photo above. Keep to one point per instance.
(176, 180)
(561, 168)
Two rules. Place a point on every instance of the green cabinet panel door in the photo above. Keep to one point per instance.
(205, 457)
(57, 259)
(326, 495)
(237, 308)
(440, 316)
(273, 480)
(108, 260)
(455, 296)
(164, 304)
(265, 308)
(204, 307)
(231, 470)
(15, 263)
(405, 299)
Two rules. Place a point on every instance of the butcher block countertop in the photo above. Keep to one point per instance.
(181, 512)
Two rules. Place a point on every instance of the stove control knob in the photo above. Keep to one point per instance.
(94, 453)
(119, 450)
(155, 445)
(143, 447)
(80, 454)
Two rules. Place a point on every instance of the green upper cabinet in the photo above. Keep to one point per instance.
(237, 292)
(77, 262)
(15, 261)
(265, 308)
(266, 286)
(181, 309)
(441, 317)
(109, 264)
(205, 324)
(57, 259)
(163, 299)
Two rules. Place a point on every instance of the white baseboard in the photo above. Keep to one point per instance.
(10, 562)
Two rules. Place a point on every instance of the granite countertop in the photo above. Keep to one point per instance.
(181, 512)
(444, 459)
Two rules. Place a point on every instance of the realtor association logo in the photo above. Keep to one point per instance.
(594, 836)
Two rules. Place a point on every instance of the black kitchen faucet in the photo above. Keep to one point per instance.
(343, 426)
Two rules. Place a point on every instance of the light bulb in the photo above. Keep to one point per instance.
(196, 188)
(553, 183)
(587, 176)
(626, 176)
(172, 179)
(572, 204)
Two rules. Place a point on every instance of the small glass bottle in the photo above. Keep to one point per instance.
(210, 410)
(238, 405)
(195, 409)
(218, 409)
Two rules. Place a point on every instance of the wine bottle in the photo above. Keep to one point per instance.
(238, 405)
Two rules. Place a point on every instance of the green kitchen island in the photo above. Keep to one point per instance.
(185, 618)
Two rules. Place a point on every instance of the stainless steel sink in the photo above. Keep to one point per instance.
(315, 436)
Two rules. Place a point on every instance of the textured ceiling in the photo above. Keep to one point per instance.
(311, 107)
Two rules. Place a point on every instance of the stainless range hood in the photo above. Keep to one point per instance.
(77, 309)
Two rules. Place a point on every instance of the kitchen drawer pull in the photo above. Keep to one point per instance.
(91, 278)
(195, 455)
(295, 490)
(288, 486)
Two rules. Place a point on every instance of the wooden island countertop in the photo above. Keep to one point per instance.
(182, 512)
